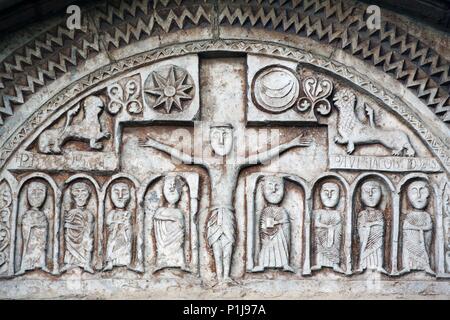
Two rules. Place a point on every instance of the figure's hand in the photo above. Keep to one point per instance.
(300, 141)
(147, 142)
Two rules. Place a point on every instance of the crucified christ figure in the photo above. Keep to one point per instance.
(221, 226)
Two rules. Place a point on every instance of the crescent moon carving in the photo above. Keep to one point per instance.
(275, 89)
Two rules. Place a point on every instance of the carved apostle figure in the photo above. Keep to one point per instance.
(118, 228)
(221, 225)
(169, 228)
(274, 228)
(79, 230)
(371, 228)
(417, 230)
(328, 229)
(34, 225)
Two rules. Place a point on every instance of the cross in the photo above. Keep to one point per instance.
(228, 104)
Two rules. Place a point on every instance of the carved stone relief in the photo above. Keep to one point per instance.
(446, 225)
(88, 129)
(417, 228)
(301, 168)
(5, 226)
(79, 227)
(171, 231)
(35, 234)
(120, 225)
(351, 131)
(277, 218)
(328, 229)
(169, 89)
(373, 226)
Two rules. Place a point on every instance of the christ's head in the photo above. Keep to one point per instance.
(221, 138)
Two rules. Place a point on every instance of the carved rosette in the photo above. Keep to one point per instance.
(169, 89)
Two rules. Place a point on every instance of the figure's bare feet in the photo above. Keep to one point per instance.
(258, 269)
(429, 271)
(185, 268)
(338, 269)
(108, 267)
(89, 269)
(229, 281)
(288, 269)
(382, 270)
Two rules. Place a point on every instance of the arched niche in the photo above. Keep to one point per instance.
(418, 247)
(374, 224)
(37, 223)
(79, 229)
(294, 213)
(170, 233)
(119, 225)
(331, 224)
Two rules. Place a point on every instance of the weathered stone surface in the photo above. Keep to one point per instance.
(185, 155)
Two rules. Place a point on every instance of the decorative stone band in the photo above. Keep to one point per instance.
(107, 162)
(387, 164)
(79, 89)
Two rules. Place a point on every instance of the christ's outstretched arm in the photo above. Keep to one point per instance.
(175, 153)
(272, 153)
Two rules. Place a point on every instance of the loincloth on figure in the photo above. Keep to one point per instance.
(221, 226)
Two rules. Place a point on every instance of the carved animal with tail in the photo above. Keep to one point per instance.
(87, 130)
(352, 131)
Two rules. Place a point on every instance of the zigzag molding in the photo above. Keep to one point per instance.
(120, 23)
(414, 64)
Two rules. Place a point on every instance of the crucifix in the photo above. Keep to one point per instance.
(221, 226)
(223, 107)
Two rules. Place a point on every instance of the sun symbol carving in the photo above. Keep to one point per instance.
(168, 89)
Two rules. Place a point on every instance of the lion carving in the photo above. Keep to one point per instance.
(88, 130)
(352, 131)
